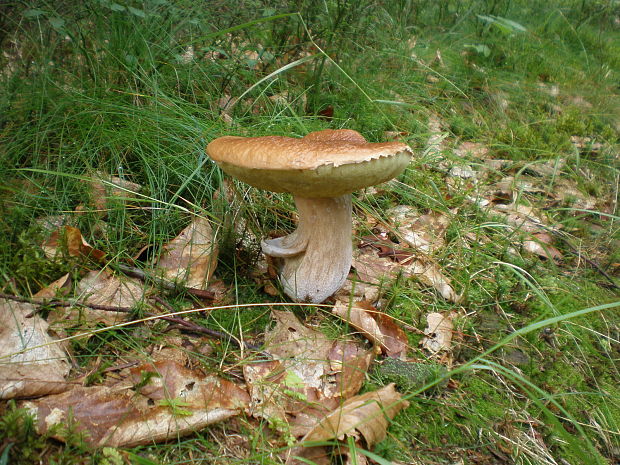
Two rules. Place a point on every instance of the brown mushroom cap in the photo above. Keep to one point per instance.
(326, 163)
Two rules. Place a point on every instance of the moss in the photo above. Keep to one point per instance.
(411, 376)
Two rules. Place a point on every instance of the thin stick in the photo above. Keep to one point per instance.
(575, 251)
(182, 324)
(143, 276)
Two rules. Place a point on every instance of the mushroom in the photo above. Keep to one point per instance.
(321, 170)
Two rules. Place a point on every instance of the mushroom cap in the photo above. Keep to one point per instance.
(325, 163)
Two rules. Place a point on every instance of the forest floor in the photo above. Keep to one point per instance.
(141, 322)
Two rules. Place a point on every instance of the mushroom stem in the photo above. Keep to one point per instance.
(317, 256)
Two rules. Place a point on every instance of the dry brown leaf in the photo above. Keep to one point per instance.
(462, 172)
(290, 338)
(365, 416)
(190, 257)
(349, 364)
(547, 168)
(75, 243)
(430, 274)
(51, 223)
(173, 402)
(373, 269)
(540, 244)
(105, 187)
(319, 455)
(586, 144)
(423, 232)
(103, 288)
(394, 135)
(435, 142)
(471, 149)
(376, 326)
(62, 285)
(353, 289)
(510, 186)
(438, 332)
(307, 376)
(566, 191)
(522, 217)
(31, 362)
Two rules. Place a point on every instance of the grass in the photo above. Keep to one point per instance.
(132, 90)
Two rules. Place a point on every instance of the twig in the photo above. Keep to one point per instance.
(143, 276)
(575, 251)
(59, 303)
(181, 323)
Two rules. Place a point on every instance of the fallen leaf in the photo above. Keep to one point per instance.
(61, 286)
(394, 135)
(541, 246)
(326, 113)
(225, 104)
(290, 338)
(435, 142)
(376, 326)
(102, 288)
(423, 232)
(191, 257)
(52, 222)
(158, 402)
(430, 274)
(105, 187)
(307, 376)
(349, 364)
(76, 245)
(586, 144)
(374, 269)
(552, 90)
(462, 171)
(546, 168)
(471, 149)
(438, 332)
(31, 362)
(364, 416)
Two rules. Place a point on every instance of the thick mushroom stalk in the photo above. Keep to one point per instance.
(317, 256)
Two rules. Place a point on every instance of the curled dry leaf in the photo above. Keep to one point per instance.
(365, 416)
(62, 285)
(374, 270)
(375, 325)
(429, 273)
(540, 244)
(75, 243)
(438, 332)
(157, 402)
(31, 362)
(307, 376)
(423, 232)
(191, 256)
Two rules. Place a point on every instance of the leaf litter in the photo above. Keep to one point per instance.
(364, 418)
(307, 376)
(191, 257)
(378, 262)
(31, 362)
(156, 402)
(378, 327)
